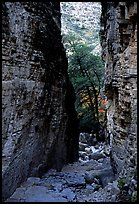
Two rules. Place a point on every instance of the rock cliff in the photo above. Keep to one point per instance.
(119, 50)
(39, 124)
(83, 20)
(40, 128)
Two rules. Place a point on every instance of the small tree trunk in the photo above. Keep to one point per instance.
(97, 115)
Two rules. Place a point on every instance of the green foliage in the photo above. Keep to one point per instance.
(135, 120)
(86, 73)
(121, 182)
(80, 51)
(87, 122)
(128, 192)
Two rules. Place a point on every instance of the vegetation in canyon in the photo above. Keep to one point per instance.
(86, 72)
(69, 121)
(86, 67)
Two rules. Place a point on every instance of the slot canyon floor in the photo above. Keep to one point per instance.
(90, 179)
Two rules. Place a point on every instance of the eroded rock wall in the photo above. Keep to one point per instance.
(40, 128)
(119, 50)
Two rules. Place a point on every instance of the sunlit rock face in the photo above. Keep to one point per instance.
(119, 50)
(38, 118)
(82, 19)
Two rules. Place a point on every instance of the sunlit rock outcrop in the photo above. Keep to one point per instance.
(119, 50)
(83, 20)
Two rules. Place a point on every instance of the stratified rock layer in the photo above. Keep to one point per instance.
(39, 120)
(119, 45)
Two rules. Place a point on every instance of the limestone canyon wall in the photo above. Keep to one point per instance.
(38, 118)
(119, 50)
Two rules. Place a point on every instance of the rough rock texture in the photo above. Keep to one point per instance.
(39, 120)
(119, 46)
(86, 180)
(83, 20)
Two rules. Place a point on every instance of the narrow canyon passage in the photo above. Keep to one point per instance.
(51, 149)
(89, 179)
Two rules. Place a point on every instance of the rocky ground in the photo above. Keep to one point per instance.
(91, 179)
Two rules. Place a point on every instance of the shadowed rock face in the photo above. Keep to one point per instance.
(40, 127)
(119, 50)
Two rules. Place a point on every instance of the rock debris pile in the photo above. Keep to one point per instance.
(91, 179)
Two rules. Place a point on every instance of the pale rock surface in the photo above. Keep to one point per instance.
(81, 181)
(119, 50)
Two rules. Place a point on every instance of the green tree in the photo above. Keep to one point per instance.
(86, 72)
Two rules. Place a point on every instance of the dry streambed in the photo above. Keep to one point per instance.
(91, 179)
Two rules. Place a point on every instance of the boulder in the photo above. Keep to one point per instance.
(97, 155)
(75, 180)
(68, 194)
(88, 150)
(82, 146)
(105, 176)
(82, 154)
(87, 138)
